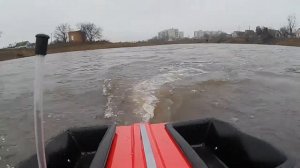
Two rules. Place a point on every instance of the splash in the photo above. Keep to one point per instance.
(142, 96)
(146, 91)
(107, 91)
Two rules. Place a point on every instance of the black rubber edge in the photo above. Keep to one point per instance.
(189, 152)
(100, 158)
(76, 144)
(41, 44)
(226, 128)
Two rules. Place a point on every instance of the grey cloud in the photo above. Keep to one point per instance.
(129, 20)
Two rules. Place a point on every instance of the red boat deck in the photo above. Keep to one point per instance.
(139, 145)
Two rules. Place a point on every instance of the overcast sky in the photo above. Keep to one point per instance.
(131, 20)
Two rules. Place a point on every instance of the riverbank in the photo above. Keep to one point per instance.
(288, 42)
(7, 54)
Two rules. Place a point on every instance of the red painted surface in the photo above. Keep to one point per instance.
(166, 148)
(127, 148)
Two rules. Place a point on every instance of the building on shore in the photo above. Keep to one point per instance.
(77, 37)
(200, 34)
(23, 44)
(298, 33)
(170, 34)
(237, 34)
(275, 33)
(250, 33)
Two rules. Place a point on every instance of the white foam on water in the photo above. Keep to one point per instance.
(144, 93)
(2, 138)
(107, 87)
(109, 112)
(142, 96)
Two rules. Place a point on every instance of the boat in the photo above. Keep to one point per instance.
(202, 143)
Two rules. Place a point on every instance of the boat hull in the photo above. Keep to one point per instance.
(205, 143)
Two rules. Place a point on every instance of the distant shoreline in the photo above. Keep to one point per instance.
(8, 54)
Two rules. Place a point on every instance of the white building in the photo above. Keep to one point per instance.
(298, 33)
(236, 34)
(200, 34)
(23, 44)
(275, 33)
(181, 34)
(170, 34)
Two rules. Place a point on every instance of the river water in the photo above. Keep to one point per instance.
(254, 87)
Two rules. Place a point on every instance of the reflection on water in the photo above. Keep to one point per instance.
(255, 87)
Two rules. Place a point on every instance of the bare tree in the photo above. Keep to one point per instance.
(266, 35)
(284, 32)
(258, 30)
(0, 33)
(206, 36)
(61, 32)
(91, 31)
(291, 23)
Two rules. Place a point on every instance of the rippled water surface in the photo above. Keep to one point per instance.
(254, 87)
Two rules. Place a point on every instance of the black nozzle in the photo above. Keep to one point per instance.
(41, 44)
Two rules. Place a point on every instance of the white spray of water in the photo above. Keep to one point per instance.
(107, 87)
(143, 94)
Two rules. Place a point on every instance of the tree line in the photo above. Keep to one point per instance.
(91, 31)
(288, 31)
(94, 32)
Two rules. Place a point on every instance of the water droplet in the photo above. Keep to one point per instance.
(69, 160)
(235, 119)
(2, 138)
(216, 103)
(194, 91)
(202, 145)
(216, 148)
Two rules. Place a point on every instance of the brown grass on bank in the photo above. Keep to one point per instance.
(57, 48)
(288, 42)
(7, 54)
